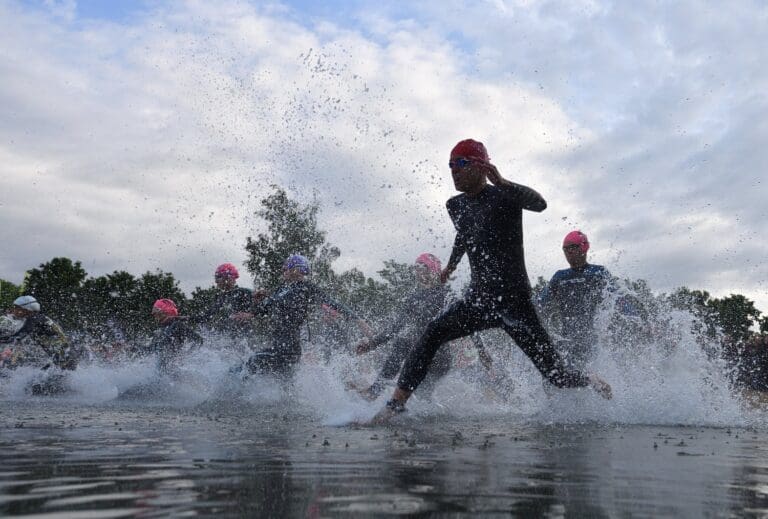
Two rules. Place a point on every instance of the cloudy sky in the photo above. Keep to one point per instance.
(142, 135)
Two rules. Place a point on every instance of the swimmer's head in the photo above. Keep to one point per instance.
(575, 247)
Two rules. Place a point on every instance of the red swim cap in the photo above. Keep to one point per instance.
(470, 149)
(165, 307)
(577, 238)
(227, 270)
(430, 261)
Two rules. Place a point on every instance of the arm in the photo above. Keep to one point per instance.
(519, 194)
(262, 304)
(397, 324)
(547, 296)
(456, 254)
(322, 297)
(482, 353)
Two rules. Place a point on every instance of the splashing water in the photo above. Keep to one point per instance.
(662, 370)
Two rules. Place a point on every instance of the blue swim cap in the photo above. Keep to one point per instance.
(297, 261)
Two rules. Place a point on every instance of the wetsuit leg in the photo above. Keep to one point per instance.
(518, 318)
(440, 367)
(392, 364)
(272, 362)
(394, 361)
(459, 320)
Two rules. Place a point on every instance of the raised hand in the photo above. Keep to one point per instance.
(492, 174)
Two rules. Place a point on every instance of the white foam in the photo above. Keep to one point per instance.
(668, 377)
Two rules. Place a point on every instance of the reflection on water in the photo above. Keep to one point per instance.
(76, 461)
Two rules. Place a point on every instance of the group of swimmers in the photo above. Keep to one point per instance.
(487, 216)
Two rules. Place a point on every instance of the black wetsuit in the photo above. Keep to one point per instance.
(169, 340)
(224, 305)
(576, 294)
(287, 311)
(42, 331)
(420, 307)
(490, 231)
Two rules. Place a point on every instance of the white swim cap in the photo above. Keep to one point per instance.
(27, 303)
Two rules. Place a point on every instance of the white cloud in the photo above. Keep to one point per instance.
(149, 145)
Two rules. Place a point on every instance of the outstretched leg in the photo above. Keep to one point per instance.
(392, 364)
(520, 321)
(459, 320)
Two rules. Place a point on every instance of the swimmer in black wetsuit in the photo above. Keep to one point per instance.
(40, 341)
(286, 310)
(488, 221)
(229, 301)
(173, 333)
(421, 306)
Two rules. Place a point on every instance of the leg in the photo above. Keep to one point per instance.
(392, 364)
(271, 362)
(394, 361)
(460, 319)
(441, 365)
(519, 320)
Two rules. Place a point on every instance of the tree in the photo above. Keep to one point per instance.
(684, 298)
(400, 278)
(56, 285)
(200, 302)
(8, 292)
(736, 316)
(291, 229)
(106, 303)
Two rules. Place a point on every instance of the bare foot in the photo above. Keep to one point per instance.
(602, 387)
(367, 394)
(387, 413)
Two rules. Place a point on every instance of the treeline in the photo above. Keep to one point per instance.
(121, 300)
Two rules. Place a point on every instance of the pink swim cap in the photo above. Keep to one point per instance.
(577, 238)
(166, 307)
(430, 261)
(227, 270)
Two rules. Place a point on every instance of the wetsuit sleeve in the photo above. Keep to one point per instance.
(323, 298)
(56, 343)
(189, 334)
(456, 253)
(401, 319)
(263, 307)
(243, 301)
(523, 196)
(482, 353)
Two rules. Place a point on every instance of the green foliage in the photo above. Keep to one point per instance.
(56, 285)
(200, 302)
(101, 305)
(106, 302)
(736, 316)
(8, 292)
(291, 229)
(686, 299)
(399, 277)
